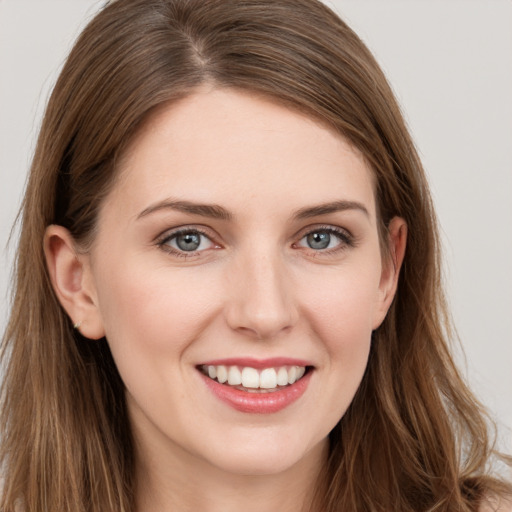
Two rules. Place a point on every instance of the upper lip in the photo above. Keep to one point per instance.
(259, 364)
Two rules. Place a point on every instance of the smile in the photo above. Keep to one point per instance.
(254, 380)
(256, 386)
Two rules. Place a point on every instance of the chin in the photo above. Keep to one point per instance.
(268, 456)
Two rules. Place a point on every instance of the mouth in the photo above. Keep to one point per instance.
(259, 387)
(254, 380)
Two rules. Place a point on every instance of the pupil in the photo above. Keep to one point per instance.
(188, 241)
(319, 240)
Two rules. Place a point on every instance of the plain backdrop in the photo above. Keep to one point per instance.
(450, 64)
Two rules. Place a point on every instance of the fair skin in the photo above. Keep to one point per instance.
(281, 268)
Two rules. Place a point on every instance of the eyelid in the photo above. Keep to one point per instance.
(186, 228)
(167, 235)
(347, 239)
(342, 232)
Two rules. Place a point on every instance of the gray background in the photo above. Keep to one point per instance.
(450, 64)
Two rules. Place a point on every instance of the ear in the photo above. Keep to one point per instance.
(392, 262)
(71, 277)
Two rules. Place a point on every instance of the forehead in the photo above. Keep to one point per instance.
(235, 147)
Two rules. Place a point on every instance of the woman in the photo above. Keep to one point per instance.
(227, 286)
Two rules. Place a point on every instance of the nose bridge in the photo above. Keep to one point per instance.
(261, 301)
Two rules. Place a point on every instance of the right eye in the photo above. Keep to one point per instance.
(186, 241)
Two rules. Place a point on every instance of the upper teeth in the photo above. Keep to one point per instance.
(248, 377)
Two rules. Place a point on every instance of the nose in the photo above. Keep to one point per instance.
(261, 300)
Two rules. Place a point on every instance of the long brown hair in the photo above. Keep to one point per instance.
(414, 438)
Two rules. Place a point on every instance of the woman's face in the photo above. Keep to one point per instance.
(240, 242)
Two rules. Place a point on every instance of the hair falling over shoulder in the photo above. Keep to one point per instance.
(414, 438)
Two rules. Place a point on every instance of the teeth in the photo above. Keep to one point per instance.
(282, 377)
(222, 374)
(234, 376)
(212, 372)
(268, 378)
(251, 378)
(292, 374)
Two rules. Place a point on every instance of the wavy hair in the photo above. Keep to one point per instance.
(414, 438)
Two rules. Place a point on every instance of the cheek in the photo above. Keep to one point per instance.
(341, 313)
(344, 327)
(153, 312)
(343, 308)
(342, 320)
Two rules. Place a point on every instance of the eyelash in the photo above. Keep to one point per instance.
(164, 240)
(345, 238)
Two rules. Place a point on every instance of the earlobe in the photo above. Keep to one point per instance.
(397, 241)
(70, 277)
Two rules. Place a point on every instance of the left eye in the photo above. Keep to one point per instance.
(188, 241)
(320, 240)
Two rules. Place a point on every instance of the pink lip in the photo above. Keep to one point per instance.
(259, 364)
(258, 403)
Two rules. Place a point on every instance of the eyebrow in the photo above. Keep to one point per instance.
(215, 211)
(332, 207)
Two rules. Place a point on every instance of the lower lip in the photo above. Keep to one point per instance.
(258, 403)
